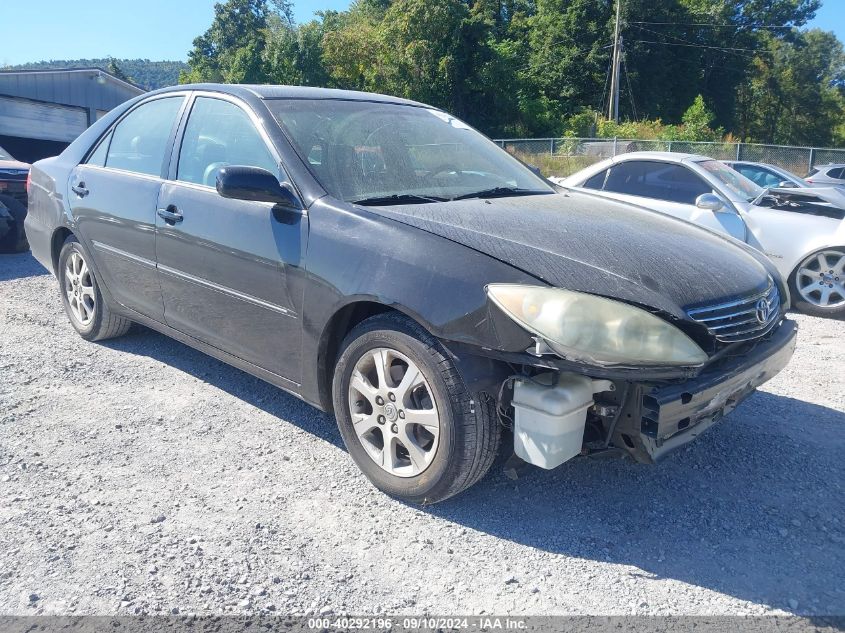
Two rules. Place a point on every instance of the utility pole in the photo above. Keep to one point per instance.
(613, 102)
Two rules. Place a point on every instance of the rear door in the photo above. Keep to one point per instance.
(666, 187)
(224, 264)
(113, 197)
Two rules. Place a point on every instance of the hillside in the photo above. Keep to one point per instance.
(145, 73)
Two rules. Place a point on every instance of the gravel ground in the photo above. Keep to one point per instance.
(140, 476)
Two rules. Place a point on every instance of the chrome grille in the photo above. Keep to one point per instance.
(743, 319)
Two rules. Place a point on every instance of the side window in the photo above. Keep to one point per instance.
(220, 133)
(595, 182)
(661, 181)
(838, 173)
(762, 177)
(771, 179)
(139, 141)
(98, 157)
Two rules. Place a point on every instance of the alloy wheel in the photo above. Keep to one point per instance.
(393, 412)
(79, 289)
(820, 279)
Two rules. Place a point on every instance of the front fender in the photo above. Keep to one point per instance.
(358, 257)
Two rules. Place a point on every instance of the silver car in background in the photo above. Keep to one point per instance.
(803, 235)
(766, 175)
(827, 175)
(774, 177)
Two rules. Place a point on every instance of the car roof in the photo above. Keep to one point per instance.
(264, 91)
(757, 164)
(669, 157)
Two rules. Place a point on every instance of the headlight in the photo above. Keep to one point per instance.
(585, 327)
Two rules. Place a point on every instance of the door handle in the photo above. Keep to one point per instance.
(171, 214)
(80, 190)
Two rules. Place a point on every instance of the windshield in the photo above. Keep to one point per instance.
(361, 151)
(4, 155)
(787, 176)
(736, 182)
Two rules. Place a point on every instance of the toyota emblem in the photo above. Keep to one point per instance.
(762, 310)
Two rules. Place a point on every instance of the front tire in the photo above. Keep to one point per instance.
(405, 414)
(817, 285)
(88, 313)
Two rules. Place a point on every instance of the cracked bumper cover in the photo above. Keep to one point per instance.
(666, 417)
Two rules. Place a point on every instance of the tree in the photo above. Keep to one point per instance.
(115, 70)
(794, 94)
(691, 68)
(697, 120)
(568, 55)
(231, 49)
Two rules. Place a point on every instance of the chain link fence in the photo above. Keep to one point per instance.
(564, 156)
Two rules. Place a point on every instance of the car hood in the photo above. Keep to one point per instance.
(825, 201)
(590, 244)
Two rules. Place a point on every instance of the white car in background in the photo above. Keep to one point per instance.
(803, 235)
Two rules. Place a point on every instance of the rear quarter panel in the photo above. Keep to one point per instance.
(48, 210)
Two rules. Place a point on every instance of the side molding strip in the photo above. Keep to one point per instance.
(226, 290)
(196, 280)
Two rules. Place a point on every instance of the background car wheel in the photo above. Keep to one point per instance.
(818, 283)
(89, 314)
(405, 415)
(14, 241)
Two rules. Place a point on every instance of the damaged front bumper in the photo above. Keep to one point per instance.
(659, 418)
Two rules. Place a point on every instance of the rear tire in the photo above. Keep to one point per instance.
(817, 284)
(84, 305)
(441, 458)
(14, 241)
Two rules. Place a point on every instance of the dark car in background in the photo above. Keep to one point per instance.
(13, 203)
(385, 262)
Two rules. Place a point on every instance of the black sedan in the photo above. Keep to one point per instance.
(13, 175)
(384, 261)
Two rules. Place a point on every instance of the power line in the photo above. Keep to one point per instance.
(716, 48)
(722, 48)
(710, 24)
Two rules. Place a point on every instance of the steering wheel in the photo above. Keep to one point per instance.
(443, 168)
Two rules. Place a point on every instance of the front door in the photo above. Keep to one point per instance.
(113, 198)
(225, 266)
(672, 189)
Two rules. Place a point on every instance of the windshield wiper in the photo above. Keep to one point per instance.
(500, 192)
(398, 198)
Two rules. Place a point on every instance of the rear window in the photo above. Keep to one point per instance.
(597, 181)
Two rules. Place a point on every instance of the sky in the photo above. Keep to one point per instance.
(59, 29)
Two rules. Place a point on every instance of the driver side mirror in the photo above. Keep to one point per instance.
(709, 201)
(786, 184)
(239, 182)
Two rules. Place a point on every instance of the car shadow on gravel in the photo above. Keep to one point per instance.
(241, 385)
(753, 509)
(19, 265)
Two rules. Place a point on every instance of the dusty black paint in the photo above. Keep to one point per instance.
(260, 286)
